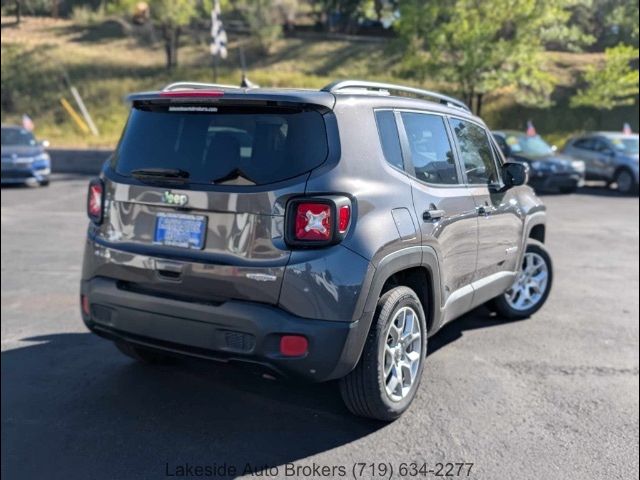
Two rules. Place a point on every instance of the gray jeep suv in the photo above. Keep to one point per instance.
(317, 234)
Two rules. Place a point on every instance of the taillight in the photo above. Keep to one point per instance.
(318, 221)
(313, 221)
(95, 201)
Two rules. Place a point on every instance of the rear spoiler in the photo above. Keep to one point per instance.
(226, 94)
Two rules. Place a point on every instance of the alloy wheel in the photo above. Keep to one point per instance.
(531, 283)
(402, 353)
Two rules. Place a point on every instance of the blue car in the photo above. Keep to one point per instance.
(24, 159)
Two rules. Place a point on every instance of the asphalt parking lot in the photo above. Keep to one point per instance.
(555, 396)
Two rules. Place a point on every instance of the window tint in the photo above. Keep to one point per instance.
(476, 153)
(431, 151)
(388, 132)
(584, 143)
(223, 144)
(601, 146)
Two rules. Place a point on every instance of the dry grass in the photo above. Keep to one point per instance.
(107, 60)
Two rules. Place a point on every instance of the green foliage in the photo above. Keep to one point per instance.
(613, 84)
(609, 21)
(168, 16)
(480, 47)
(30, 81)
(265, 22)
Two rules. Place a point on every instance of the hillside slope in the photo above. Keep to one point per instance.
(105, 61)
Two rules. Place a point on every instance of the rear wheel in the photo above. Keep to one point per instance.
(532, 286)
(385, 381)
(626, 182)
(142, 354)
(571, 189)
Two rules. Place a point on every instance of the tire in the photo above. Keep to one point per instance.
(572, 189)
(45, 183)
(364, 390)
(507, 308)
(625, 182)
(142, 354)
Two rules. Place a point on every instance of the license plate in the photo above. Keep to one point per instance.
(180, 230)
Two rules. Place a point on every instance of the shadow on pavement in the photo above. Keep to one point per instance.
(73, 406)
(481, 317)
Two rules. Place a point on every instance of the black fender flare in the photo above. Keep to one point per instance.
(410, 257)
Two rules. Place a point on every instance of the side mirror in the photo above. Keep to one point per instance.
(45, 143)
(514, 174)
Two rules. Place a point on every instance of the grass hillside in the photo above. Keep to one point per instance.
(105, 61)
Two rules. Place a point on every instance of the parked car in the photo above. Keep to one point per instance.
(317, 234)
(549, 170)
(24, 159)
(609, 156)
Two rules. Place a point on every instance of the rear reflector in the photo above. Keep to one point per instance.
(95, 199)
(344, 217)
(293, 345)
(84, 301)
(192, 93)
(313, 221)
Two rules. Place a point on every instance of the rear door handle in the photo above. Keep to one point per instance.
(432, 214)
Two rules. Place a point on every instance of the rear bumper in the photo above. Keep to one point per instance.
(233, 331)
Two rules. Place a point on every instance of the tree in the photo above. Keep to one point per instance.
(613, 84)
(170, 17)
(609, 21)
(265, 20)
(342, 15)
(480, 47)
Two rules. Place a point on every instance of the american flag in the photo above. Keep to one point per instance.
(531, 130)
(218, 35)
(27, 123)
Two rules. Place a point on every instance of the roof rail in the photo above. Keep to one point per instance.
(350, 85)
(195, 85)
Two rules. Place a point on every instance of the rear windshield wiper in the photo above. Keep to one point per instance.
(161, 174)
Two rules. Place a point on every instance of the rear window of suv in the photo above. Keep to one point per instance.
(218, 145)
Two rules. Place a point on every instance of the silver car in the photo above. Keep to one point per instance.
(608, 156)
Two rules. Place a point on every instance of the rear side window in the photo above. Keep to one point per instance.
(388, 132)
(601, 146)
(250, 146)
(431, 151)
(584, 143)
(476, 152)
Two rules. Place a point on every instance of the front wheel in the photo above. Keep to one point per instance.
(626, 182)
(385, 381)
(571, 189)
(531, 287)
